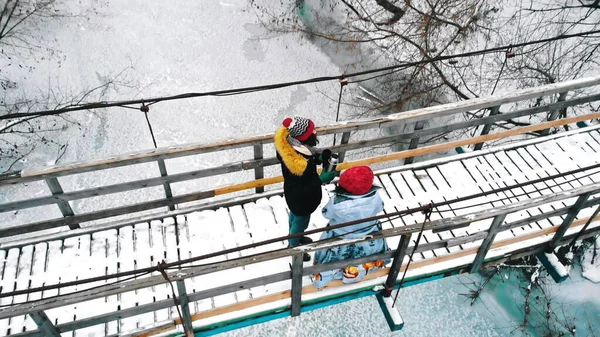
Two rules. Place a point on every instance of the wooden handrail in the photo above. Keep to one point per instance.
(417, 152)
(278, 179)
(387, 121)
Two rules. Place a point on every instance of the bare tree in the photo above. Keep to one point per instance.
(396, 32)
(23, 29)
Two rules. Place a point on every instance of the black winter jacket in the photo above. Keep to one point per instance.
(301, 186)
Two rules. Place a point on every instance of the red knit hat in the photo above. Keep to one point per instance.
(299, 127)
(357, 180)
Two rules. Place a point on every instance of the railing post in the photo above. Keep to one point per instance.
(487, 127)
(64, 206)
(399, 254)
(487, 242)
(296, 284)
(577, 206)
(553, 114)
(345, 139)
(259, 172)
(185, 309)
(163, 173)
(44, 324)
(414, 143)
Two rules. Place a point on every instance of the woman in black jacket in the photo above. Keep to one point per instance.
(295, 143)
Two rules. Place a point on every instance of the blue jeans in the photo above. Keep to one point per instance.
(298, 224)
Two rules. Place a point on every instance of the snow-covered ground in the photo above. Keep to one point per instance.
(166, 49)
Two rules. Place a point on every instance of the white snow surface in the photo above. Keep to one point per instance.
(591, 270)
(553, 260)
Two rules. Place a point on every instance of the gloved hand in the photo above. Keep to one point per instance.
(327, 177)
(325, 155)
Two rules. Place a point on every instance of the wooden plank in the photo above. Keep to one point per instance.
(557, 184)
(487, 127)
(569, 219)
(554, 112)
(487, 243)
(518, 168)
(268, 181)
(100, 249)
(540, 172)
(125, 262)
(162, 167)
(67, 261)
(222, 226)
(399, 118)
(52, 274)
(238, 166)
(500, 182)
(110, 212)
(64, 206)
(410, 200)
(435, 195)
(86, 308)
(259, 171)
(447, 193)
(128, 186)
(38, 265)
(3, 301)
(296, 284)
(391, 198)
(345, 140)
(9, 283)
(399, 255)
(464, 142)
(162, 290)
(144, 258)
(44, 324)
(191, 272)
(260, 221)
(21, 279)
(185, 308)
(208, 235)
(414, 142)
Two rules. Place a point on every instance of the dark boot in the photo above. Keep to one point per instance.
(305, 240)
(305, 257)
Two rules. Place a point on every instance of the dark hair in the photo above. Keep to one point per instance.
(312, 140)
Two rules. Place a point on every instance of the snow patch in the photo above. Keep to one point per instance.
(553, 260)
(591, 269)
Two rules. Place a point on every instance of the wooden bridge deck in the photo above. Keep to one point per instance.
(145, 244)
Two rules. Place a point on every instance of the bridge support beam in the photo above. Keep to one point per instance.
(554, 113)
(399, 254)
(487, 127)
(44, 324)
(259, 172)
(162, 167)
(185, 309)
(487, 243)
(414, 143)
(64, 206)
(577, 206)
(345, 140)
(297, 284)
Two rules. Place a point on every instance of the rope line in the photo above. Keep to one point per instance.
(245, 90)
(427, 217)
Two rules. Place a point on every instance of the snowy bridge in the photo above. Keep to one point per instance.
(521, 191)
